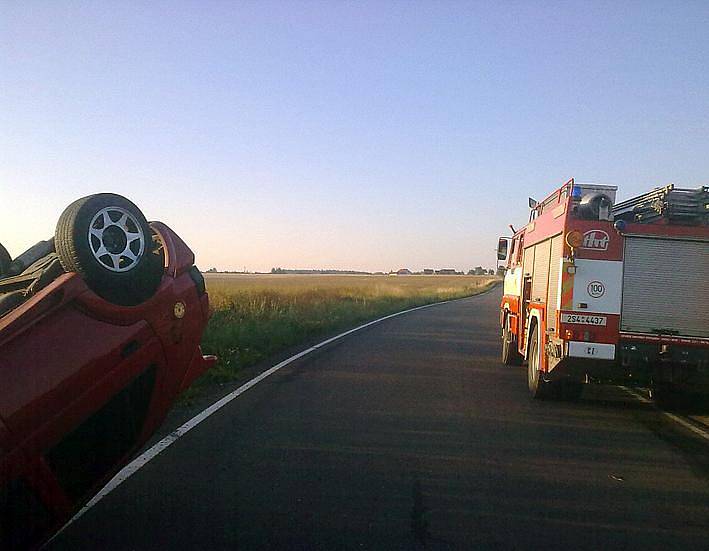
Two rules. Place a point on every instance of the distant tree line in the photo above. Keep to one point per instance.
(478, 270)
(321, 272)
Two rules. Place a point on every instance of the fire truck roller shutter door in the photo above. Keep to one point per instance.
(540, 278)
(554, 291)
(528, 262)
(665, 286)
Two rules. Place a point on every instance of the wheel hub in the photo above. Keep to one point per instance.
(116, 239)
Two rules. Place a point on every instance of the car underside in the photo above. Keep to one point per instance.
(99, 333)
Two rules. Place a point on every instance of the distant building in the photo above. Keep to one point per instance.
(428, 271)
(446, 271)
(403, 271)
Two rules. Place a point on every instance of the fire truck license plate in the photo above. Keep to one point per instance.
(595, 350)
(583, 319)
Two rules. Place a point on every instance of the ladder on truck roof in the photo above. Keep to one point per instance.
(675, 205)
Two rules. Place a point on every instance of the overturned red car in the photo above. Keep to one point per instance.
(99, 333)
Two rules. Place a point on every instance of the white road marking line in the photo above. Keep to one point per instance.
(639, 397)
(140, 461)
(676, 418)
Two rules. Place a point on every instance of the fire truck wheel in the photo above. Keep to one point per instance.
(510, 356)
(538, 387)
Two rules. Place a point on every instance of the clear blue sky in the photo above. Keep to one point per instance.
(368, 135)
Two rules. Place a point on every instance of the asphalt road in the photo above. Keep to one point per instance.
(412, 435)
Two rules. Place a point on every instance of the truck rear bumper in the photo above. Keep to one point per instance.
(634, 363)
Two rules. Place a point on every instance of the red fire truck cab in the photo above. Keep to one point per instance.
(596, 291)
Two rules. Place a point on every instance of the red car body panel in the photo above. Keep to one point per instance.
(71, 366)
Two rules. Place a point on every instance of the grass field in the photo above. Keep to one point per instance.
(256, 316)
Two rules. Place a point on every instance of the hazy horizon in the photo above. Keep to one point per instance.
(330, 135)
(320, 271)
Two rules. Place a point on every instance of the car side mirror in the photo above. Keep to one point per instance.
(503, 248)
(532, 203)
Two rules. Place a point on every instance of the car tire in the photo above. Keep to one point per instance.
(510, 356)
(5, 260)
(539, 389)
(106, 239)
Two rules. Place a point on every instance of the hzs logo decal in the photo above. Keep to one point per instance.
(596, 240)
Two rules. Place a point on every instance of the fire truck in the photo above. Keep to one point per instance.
(599, 291)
